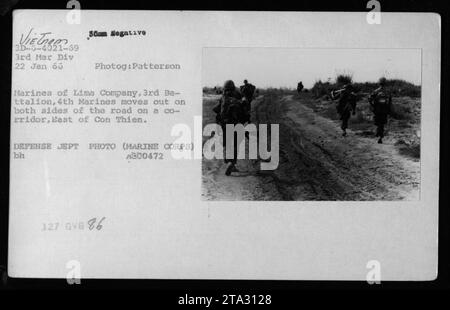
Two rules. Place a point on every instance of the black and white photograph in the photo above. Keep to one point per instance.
(238, 151)
(349, 123)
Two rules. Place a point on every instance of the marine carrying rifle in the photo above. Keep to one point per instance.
(335, 93)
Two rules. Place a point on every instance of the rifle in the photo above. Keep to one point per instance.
(335, 93)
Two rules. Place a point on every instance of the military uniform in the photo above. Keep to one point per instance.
(226, 110)
(248, 91)
(346, 105)
(299, 87)
(229, 110)
(381, 104)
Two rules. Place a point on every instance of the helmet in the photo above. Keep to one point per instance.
(229, 85)
(382, 81)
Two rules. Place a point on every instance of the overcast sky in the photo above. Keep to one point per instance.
(284, 67)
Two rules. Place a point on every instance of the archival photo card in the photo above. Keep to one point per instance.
(224, 145)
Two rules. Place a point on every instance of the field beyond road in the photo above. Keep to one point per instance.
(316, 162)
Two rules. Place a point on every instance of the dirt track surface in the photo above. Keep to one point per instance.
(316, 162)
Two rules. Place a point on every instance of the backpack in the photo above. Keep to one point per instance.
(382, 103)
(347, 103)
(248, 90)
(231, 110)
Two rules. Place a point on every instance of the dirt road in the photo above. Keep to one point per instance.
(316, 162)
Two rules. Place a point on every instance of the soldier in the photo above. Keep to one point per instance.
(248, 90)
(345, 106)
(299, 87)
(381, 104)
(230, 110)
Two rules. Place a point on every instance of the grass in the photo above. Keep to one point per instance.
(401, 112)
(410, 150)
(396, 87)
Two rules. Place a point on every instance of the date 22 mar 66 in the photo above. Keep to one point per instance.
(93, 224)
